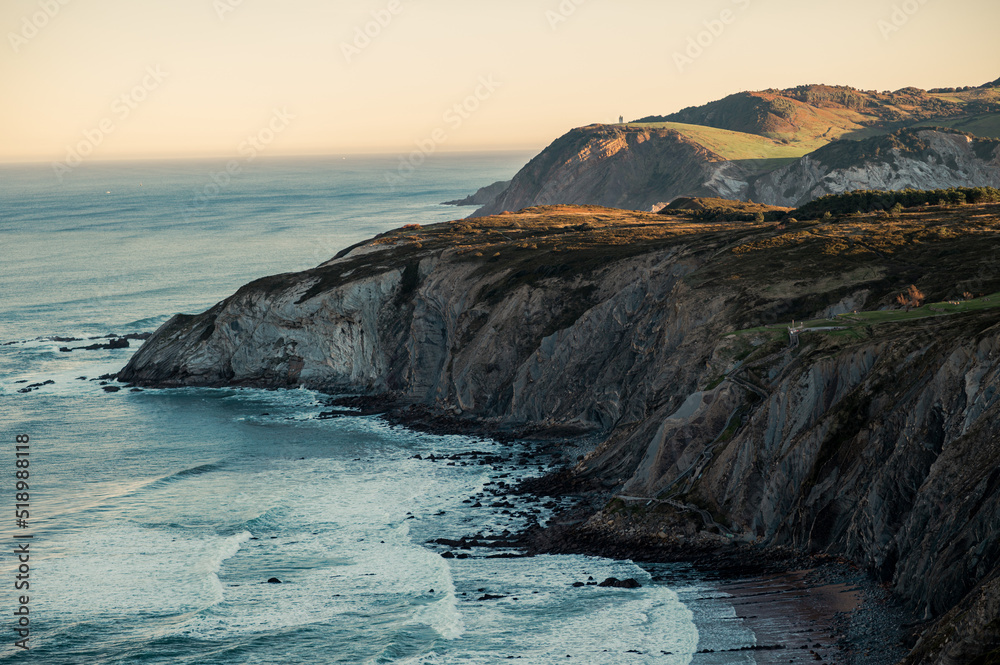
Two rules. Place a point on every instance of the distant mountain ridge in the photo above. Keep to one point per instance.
(774, 146)
(816, 111)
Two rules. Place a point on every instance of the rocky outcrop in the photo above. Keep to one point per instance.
(482, 196)
(640, 168)
(622, 167)
(917, 159)
(645, 335)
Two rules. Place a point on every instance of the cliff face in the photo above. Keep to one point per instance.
(621, 167)
(877, 441)
(721, 149)
(918, 159)
(483, 196)
(636, 167)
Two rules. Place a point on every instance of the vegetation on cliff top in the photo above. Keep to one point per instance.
(813, 115)
(779, 269)
(864, 201)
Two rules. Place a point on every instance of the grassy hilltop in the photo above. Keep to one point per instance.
(808, 117)
(764, 146)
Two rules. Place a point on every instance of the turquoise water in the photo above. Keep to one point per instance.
(159, 516)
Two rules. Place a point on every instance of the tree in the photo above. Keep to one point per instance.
(910, 298)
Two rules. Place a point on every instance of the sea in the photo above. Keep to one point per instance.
(218, 526)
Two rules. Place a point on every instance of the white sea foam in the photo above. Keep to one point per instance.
(126, 568)
(551, 619)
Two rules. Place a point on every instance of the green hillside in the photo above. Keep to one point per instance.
(758, 153)
(986, 125)
(811, 116)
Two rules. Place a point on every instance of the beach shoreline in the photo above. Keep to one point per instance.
(801, 608)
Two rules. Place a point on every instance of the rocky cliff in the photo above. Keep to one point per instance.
(482, 196)
(664, 342)
(637, 167)
(620, 166)
(745, 147)
(917, 159)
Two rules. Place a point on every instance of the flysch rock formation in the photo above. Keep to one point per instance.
(641, 168)
(646, 337)
(916, 159)
(620, 166)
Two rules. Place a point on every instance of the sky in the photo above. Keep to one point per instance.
(126, 79)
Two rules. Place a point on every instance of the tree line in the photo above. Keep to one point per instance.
(867, 200)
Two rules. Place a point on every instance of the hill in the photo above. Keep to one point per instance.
(813, 115)
(623, 166)
(641, 167)
(773, 137)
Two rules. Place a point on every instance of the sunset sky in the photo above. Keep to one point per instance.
(179, 78)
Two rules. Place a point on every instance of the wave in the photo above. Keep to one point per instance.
(132, 490)
(442, 615)
(211, 566)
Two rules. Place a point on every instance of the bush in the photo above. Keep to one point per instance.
(912, 297)
(862, 201)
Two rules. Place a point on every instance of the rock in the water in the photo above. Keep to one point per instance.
(630, 583)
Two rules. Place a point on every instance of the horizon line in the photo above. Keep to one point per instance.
(291, 155)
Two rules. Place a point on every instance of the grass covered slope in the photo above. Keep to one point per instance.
(623, 166)
(761, 146)
(758, 154)
(813, 115)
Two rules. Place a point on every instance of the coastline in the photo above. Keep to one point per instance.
(801, 608)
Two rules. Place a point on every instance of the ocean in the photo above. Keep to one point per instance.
(152, 521)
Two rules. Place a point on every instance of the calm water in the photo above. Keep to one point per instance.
(159, 516)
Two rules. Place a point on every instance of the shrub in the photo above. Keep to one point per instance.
(863, 201)
(912, 297)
